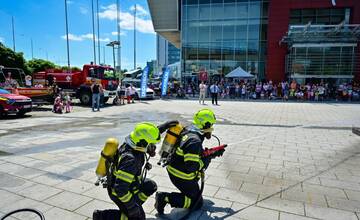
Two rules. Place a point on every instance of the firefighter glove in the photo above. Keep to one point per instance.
(206, 161)
(151, 150)
(163, 127)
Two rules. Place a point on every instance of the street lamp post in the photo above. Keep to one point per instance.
(13, 32)
(67, 36)
(93, 27)
(135, 37)
(98, 29)
(113, 44)
(32, 48)
(118, 35)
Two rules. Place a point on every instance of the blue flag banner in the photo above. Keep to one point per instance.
(165, 80)
(144, 79)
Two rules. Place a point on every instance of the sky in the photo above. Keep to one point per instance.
(43, 21)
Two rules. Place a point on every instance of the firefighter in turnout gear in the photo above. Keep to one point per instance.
(186, 164)
(125, 186)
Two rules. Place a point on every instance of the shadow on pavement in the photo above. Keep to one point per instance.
(208, 211)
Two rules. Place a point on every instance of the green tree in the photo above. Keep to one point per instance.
(74, 68)
(37, 65)
(9, 58)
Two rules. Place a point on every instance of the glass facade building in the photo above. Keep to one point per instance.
(173, 54)
(272, 39)
(220, 35)
(321, 44)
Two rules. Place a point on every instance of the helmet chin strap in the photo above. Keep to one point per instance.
(129, 142)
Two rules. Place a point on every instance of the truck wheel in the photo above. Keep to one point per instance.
(106, 99)
(2, 112)
(85, 98)
(20, 114)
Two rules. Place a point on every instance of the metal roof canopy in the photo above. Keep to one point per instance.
(341, 33)
(166, 19)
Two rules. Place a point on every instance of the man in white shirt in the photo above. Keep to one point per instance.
(214, 89)
(202, 95)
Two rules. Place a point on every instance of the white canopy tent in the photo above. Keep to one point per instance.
(240, 73)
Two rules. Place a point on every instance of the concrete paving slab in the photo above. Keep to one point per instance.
(288, 216)
(68, 201)
(39, 192)
(272, 145)
(12, 183)
(255, 213)
(88, 208)
(76, 186)
(328, 213)
(61, 214)
(283, 205)
(8, 198)
(344, 204)
(236, 196)
(26, 203)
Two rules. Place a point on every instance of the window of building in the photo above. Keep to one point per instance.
(226, 34)
(317, 16)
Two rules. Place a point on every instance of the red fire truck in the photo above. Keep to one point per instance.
(78, 82)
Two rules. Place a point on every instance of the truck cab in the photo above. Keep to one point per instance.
(105, 75)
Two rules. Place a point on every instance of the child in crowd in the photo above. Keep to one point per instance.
(67, 99)
(58, 105)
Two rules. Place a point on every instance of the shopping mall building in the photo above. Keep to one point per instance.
(306, 40)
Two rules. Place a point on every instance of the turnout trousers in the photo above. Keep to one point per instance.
(189, 193)
(147, 188)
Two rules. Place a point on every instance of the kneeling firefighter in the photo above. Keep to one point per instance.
(187, 164)
(122, 168)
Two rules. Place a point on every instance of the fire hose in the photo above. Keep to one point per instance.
(37, 212)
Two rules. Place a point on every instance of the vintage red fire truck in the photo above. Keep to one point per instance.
(78, 82)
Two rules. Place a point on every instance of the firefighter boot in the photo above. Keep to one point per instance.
(108, 214)
(97, 215)
(161, 199)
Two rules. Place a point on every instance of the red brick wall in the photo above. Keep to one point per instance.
(279, 14)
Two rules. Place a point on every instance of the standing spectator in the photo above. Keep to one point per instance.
(214, 89)
(237, 90)
(128, 93)
(132, 93)
(243, 91)
(121, 93)
(286, 91)
(28, 82)
(96, 90)
(202, 95)
(67, 99)
(10, 82)
(258, 90)
(193, 90)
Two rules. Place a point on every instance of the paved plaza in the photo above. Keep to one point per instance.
(285, 161)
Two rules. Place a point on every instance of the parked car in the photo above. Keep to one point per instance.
(14, 104)
(150, 94)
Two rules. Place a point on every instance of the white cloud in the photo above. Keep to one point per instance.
(73, 37)
(83, 10)
(127, 20)
(140, 11)
(114, 33)
(82, 37)
(2, 40)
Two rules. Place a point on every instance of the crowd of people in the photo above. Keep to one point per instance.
(274, 91)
